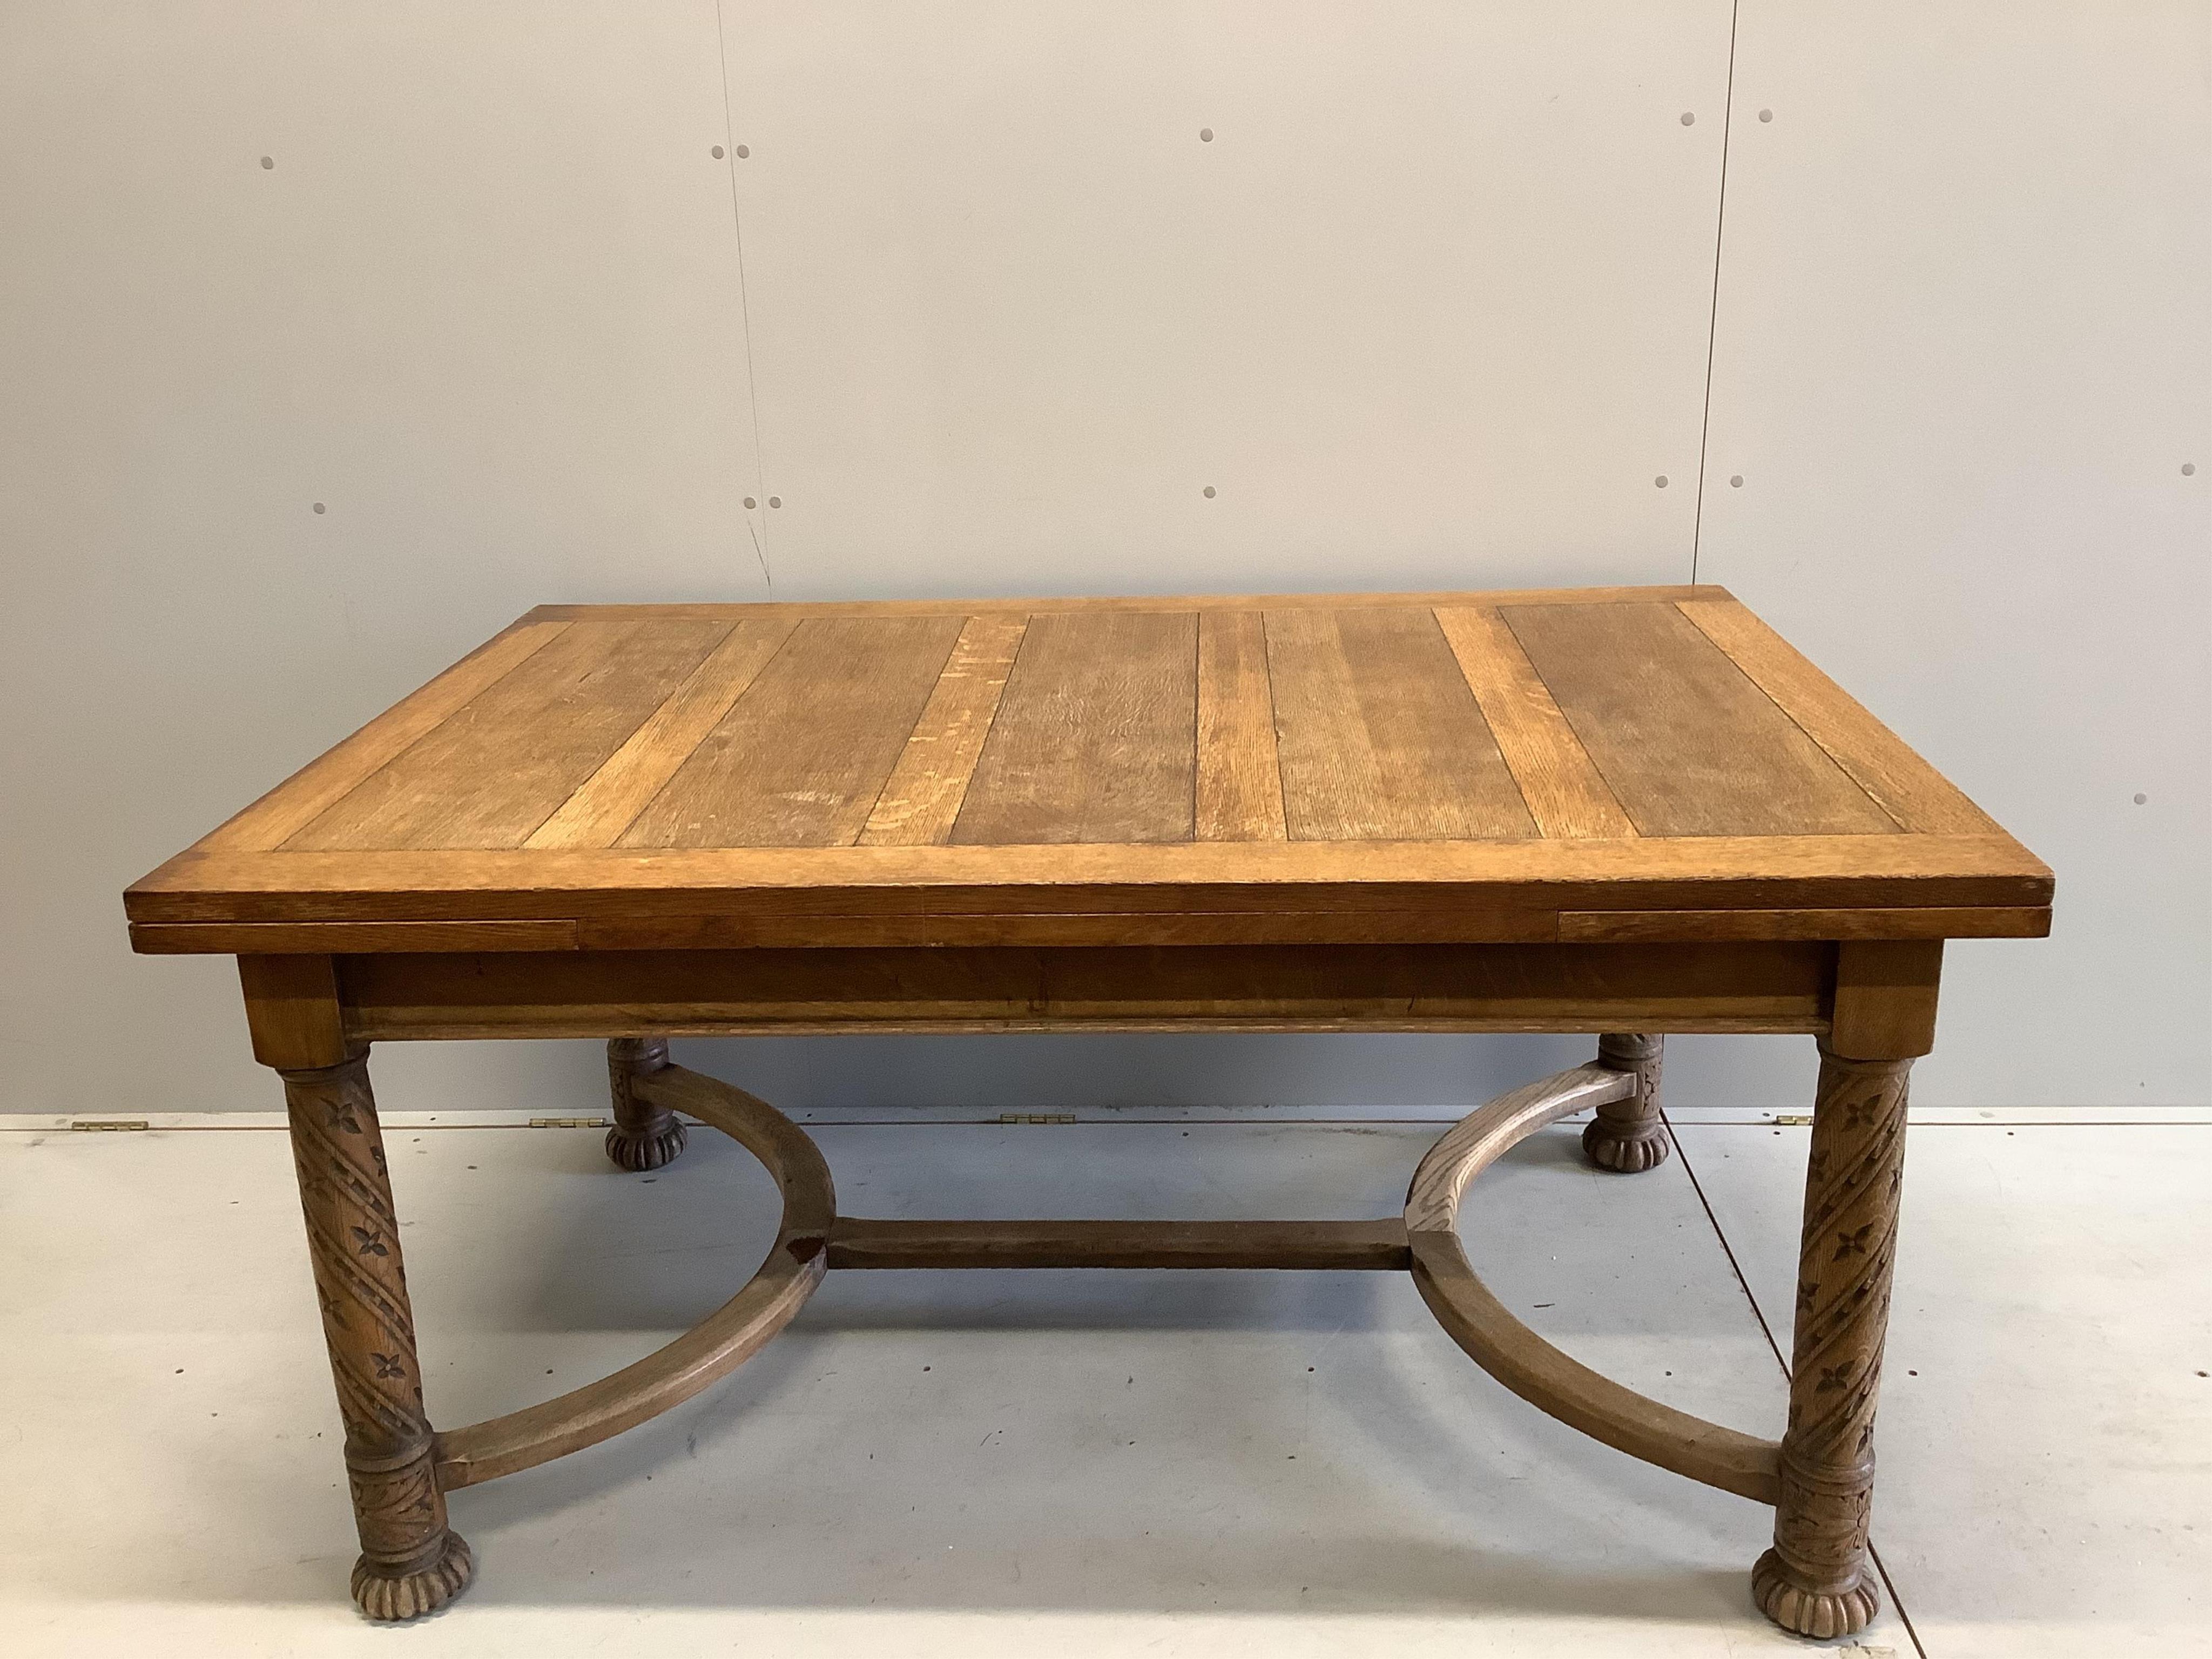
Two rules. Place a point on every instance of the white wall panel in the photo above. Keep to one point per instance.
(482, 307)
(1430, 308)
(1964, 355)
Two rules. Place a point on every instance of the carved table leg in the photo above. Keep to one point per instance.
(410, 1561)
(1626, 1135)
(1817, 1579)
(647, 1135)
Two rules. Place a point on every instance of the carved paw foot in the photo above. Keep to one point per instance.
(1822, 1615)
(1627, 1152)
(650, 1148)
(414, 1594)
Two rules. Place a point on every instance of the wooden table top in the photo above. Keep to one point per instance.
(1583, 765)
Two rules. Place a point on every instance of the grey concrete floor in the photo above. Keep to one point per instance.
(1199, 1464)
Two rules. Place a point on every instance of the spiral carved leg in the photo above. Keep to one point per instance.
(647, 1135)
(1626, 1136)
(410, 1561)
(1817, 1580)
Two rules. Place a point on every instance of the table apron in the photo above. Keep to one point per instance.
(1739, 987)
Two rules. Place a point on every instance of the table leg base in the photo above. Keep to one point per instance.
(1620, 1085)
(647, 1134)
(1625, 1153)
(641, 1150)
(1628, 1136)
(1822, 1615)
(391, 1598)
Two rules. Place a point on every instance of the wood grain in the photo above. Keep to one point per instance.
(169, 938)
(646, 1134)
(1909, 789)
(1095, 736)
(320, 784)
(1379, 737)
(1498, 1341)
(1303, 1246)
(1926, 922)
(411, 1563)
(606, 802)
(1886, 995)
(1818, 1580)
(1285, 880)
(1517, 987)
(1629, 1135)
(1562, 789)
(800, 759)
(1240, 783)
(710, 1350)
(502, 764)
(1618, 811)
(1096, 810)
(922, 799)
(292, 1011)
(1686, 743)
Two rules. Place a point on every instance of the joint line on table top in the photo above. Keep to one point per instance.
(587, 818)
(1533, 735)
(1909, 791)
(1792, 714)
(271, 821)
(1372, 716)
(920, 798)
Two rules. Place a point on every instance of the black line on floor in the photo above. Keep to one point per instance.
(1727, 1250)
(1698, 1186)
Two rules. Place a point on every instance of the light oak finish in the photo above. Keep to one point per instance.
(410, 1561)
(1240, 776)
(1628, 1135)
(710, 1350)
(1688, 743)
(1516, 1355)
(1884, 998)
(1927, 922)
(1377, 735)
(1904, 785)
(1285, 892)
(1615, 764)
(799, 759)
(1818, 1580)
(921, 800)
(507, 760)
(292, 1011)
(1562, 789)
(1096, 735)
(1306, 1246)
(1773, 988)
(1623, 812)
(315, 788)
(606, 803)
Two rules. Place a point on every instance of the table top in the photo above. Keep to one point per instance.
(1581, 765)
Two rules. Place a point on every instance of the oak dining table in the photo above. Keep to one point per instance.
(1618, 811)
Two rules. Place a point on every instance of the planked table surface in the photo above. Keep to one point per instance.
(1588, 765)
